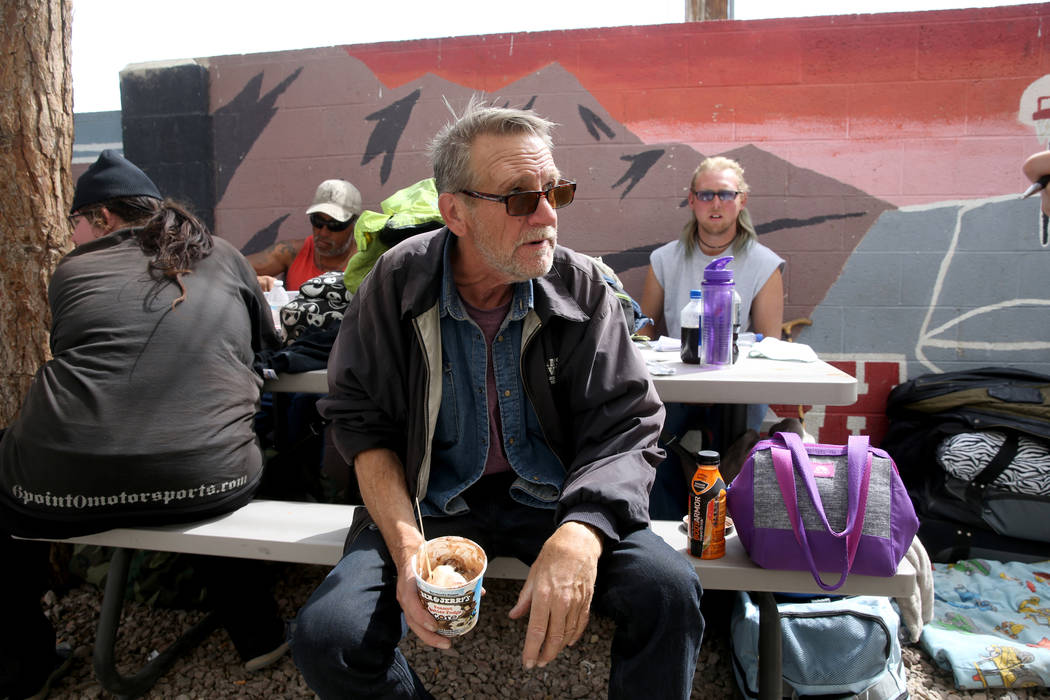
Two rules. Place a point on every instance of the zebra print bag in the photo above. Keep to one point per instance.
(1004, 479)
(966, 455)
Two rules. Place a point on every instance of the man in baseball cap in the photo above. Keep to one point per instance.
(332, 215)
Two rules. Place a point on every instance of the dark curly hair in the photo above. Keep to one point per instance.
(166, 230)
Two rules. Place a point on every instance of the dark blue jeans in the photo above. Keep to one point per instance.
(346, 636)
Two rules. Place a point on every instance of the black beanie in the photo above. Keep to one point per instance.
(110, 177)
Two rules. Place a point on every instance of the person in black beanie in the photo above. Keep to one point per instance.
(112, 176)
(144, 414)
(112, 179)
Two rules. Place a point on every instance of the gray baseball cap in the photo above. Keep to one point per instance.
(336, 198)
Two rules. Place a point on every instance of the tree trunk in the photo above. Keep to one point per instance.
(700, 10)
(36, 149)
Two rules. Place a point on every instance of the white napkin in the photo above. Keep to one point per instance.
(776, 349)
(666, 344)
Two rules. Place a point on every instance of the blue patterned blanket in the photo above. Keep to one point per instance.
(991, 624)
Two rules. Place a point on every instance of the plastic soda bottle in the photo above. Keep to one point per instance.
(690, 321)
(277, 298)
(707, 508)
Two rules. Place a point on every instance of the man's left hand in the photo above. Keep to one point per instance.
(558, 592)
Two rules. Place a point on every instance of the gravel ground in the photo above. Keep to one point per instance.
(484, 664)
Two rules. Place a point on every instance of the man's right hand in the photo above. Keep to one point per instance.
(381, 479)
(266, 282)
(417, 616)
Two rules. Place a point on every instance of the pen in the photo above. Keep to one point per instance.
(1036, 186)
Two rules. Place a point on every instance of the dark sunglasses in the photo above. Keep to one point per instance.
(708, 195)
(524, 203)
(331, 224)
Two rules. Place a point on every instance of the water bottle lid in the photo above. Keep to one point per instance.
(694, 293)
(716, 272)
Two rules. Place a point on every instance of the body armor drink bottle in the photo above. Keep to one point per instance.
(707, 508)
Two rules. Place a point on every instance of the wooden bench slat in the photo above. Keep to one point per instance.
(313, 533)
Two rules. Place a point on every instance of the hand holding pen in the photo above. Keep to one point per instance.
(1037, 169)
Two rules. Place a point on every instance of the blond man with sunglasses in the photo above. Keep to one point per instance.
(485, 373)
(719, 225)
(332, 215)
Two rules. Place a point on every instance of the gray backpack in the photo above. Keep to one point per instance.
(832, 647)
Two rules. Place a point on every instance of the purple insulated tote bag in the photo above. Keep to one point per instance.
(829, 508)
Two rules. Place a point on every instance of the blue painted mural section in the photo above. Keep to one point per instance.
(952, 285)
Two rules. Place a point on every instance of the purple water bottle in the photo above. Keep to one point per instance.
(717, 318)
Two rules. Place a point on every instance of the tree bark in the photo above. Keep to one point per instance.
(36, 149)
(700, 10)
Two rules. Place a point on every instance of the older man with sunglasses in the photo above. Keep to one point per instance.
(335, 208)
(487, 375)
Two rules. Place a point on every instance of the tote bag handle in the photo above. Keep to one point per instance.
(792, 459)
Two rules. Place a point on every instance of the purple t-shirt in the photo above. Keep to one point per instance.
(490, 320)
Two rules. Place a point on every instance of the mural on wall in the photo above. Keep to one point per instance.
(964, 287)
(390, 125)
(883, 154)
(965, 280)
(630, 197)
(248, 115)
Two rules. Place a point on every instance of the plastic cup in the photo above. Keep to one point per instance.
(454, 608)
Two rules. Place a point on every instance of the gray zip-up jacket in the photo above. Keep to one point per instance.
(588, 385)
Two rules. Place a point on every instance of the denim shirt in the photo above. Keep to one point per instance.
(461, 436)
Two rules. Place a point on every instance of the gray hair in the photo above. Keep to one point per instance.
(449, 150)
(745, 230)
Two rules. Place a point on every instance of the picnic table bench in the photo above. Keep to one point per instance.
(314, 533)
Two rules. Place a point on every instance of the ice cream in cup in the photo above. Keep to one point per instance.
(449, 581)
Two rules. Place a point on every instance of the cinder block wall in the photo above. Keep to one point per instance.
(883, 153)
